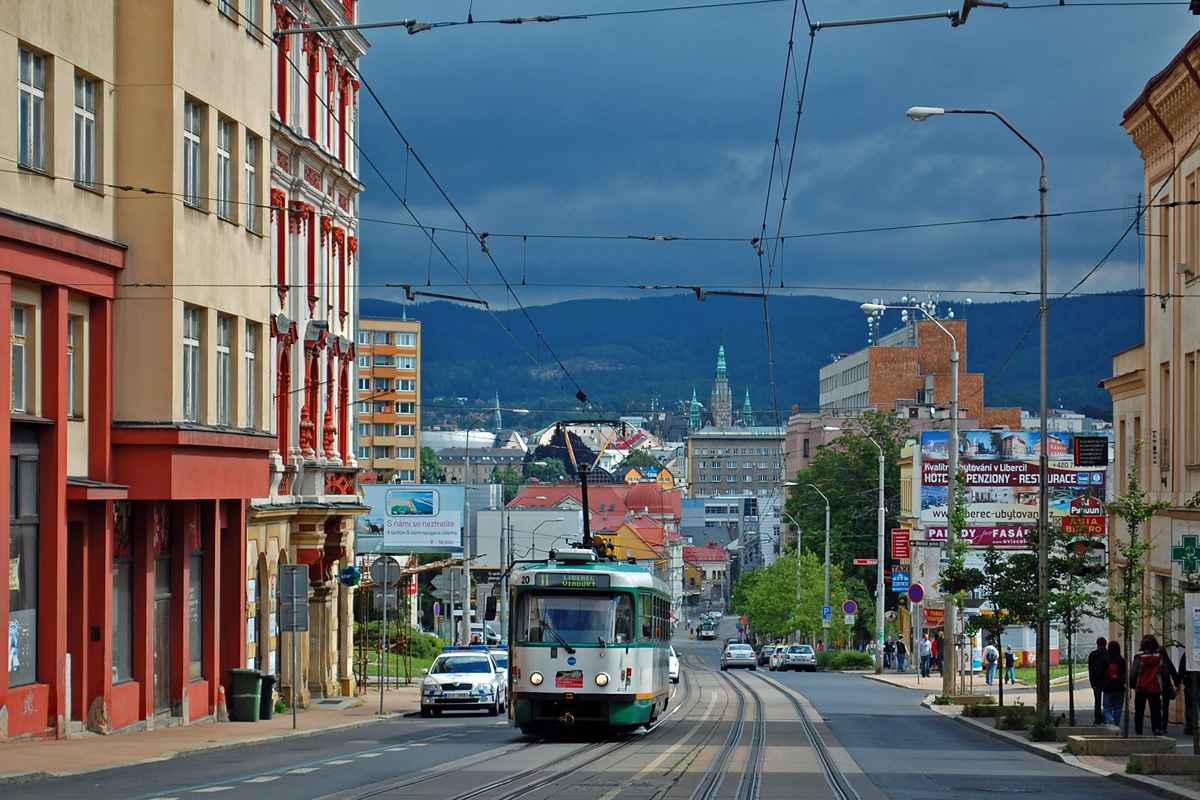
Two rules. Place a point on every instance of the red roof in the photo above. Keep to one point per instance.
(606, 500)
(714, 552)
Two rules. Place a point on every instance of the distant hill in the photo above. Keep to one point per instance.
(625, 353)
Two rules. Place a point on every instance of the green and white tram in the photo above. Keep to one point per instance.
(589, 641)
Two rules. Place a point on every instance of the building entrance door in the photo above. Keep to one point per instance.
(162, 634)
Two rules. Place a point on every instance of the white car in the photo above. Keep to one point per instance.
(738, 654)
(463, 679)
(673, 666)
(777, 657)
(799, 657)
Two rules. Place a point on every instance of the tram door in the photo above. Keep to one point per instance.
(162, 633)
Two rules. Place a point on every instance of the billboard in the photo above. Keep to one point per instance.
(1001, 469)
(414, 518)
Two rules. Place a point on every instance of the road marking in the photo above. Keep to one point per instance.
(397, 749)
(420, 744)
(262, 779)
(341, 761)
(301, 770)
(369, 755)
(212, 789)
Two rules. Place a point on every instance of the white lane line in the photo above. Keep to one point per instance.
(369, 755)
(211, 789)
(341, 761)
(420, 744)
(301, 770)
(262, 779)
(397, 749)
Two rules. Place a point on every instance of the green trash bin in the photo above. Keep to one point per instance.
(247, 694)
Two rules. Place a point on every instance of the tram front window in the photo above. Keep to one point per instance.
(578, 619)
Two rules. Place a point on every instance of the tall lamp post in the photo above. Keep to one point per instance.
(951, 610)
(826, 499)
(879, 596)
(920, 114)
(464, 627)
(799, 533)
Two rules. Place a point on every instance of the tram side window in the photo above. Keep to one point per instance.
(623, 620)
(646, 616)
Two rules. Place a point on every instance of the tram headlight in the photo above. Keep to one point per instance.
(601, 679)
(536, 678)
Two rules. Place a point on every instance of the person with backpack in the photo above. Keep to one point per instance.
(1010, 665)
(901, 653)
(1145, 679)
(990, 656)
(1114, 683)
(888, 650)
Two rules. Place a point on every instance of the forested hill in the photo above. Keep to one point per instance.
(624, 354)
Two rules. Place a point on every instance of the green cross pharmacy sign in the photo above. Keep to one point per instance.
(1187, 554)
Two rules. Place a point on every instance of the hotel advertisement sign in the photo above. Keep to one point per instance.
(1001, 470)
(411, 519)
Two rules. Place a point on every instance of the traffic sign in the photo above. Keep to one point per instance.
(849, 607)
(900, 578)
(437, 608)
(866, 561)
(900, 538)
(916, 593)
(385, 571)
(826, 612)
(850, 620)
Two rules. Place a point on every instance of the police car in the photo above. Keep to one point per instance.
(463, 679)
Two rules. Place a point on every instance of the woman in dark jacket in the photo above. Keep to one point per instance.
(1114, 684)
(1146, 679)
(1170, 680)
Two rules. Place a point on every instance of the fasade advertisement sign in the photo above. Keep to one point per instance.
(420, 518)
(1001, 470)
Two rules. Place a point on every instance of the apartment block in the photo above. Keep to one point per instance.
(389, 407)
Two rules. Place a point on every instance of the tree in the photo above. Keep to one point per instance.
(431, 468)
(768, 598)
(510, 478)
(1126, 593)
(641, 458)
(812, 598)
(547, 470)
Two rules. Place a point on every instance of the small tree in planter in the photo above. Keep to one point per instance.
(1126, 595)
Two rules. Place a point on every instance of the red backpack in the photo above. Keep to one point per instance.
(1148, 675)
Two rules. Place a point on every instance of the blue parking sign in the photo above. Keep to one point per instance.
(826, 612)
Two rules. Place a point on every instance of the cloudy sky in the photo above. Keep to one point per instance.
(569, 141)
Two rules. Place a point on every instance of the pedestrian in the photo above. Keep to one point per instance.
(1170, 679)
(926, 652)
(1010, 666)
(889, 650)
(1185, 680)
(939, 651)
(1145, 678)
(1096, 677)
(1114, 683)
(901, 653)
(990, 658)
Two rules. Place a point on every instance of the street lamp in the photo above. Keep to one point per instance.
(879, 558)
(950, 619)
(533, 535)
(464, 627)
(826, 499)
(920, 114)
(799, 533)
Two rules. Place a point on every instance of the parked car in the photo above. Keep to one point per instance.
(764, 655)
(673, 666)
(776, 657)
(463, 679)
(799, 657)
(737, 654)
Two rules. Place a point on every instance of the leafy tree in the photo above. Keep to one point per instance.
(510, 478)
(431, 468)
(641, 458)
(1126, 594)
(812, 598)
(547, 472)
(847, 471)
(768, 598)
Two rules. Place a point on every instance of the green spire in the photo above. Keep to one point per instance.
(747, 413)
(694, 417)
(721, 363)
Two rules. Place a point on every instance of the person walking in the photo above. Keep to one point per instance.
(1010, 666)
(1096, 677)
(939, 651)
(1170, 679)
(901, 653)
(990, 658)
(889, 650)
(1114, 670)
(1184, 680)
(1145, 678)
(925, 649)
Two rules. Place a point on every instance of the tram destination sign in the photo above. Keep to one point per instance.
(572, 580)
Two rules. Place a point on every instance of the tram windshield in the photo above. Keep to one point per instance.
(594, 618)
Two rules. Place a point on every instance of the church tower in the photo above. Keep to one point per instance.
(747, 413)
(694, 417)
(722, 401)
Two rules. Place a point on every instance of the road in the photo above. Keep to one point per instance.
(730, 736)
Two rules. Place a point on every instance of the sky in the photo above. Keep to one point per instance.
(570, 141)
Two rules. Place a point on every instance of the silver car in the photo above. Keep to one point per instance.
(738, 654)
(799, 657)
(463, 679)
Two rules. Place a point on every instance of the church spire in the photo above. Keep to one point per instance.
(747, 413)
(721, 363)
(694, 416)
(722, 403)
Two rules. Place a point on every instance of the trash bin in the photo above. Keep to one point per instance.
(247, 694)
(267, 707)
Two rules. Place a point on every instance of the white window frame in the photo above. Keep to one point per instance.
(226, 8)
(191, 364)
(224, 368)
(406, 339)
(193, 161)
(251, 179)
(364, 385)
(406, 429)
(71, 399)
(364, 362)
(18, 332)
(406, 453)
(406, 385)
(31, 115)
(224, 169)
(250, 355)
(85, 131)
(364, 337)
(406, 362)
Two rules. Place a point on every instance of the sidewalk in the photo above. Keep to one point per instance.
(1177, 787)
(32, 760)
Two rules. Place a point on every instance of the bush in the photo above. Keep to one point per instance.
(825, 660)
(426, 645)
(1134, 767)
(280, 707)
(852, 659)
(1041, 727)
(1015, 718)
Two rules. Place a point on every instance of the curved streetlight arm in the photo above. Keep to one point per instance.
(814, 487)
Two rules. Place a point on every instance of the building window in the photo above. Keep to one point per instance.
(382, 408)
(406, 362)
(381, 429)
(364, 453)
(364, 429)
(364, 362)
(23, 582)
(122, 579)
(384, 361)
(406, 430)
(406, 339)
(223, 369)
(406, 408)
(406, 385)
(383, 384)
(31, 93)
(406, 452)
(192, 160)
(381, 452)
(251, 170)
(364, 408)
(224, 169)
(383, 337)
(364, 337)
(251, 354)
(225, 7)
(74, 400)
(85, 132)
(19, 328)
(191, 364)
(364, 384)
(406, 475)
(196, 616)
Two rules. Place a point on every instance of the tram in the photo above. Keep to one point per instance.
(589, 640)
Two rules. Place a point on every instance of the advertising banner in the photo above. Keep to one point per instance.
(1001, 470)
(425, 518)
(900, 544)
